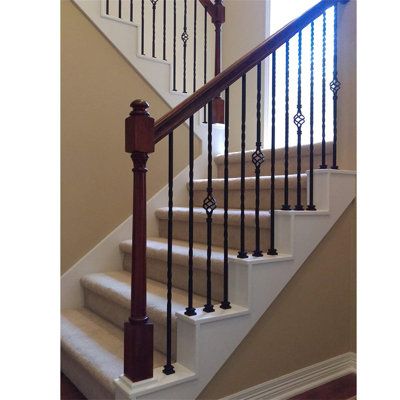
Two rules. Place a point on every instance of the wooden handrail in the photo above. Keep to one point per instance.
(218, 84)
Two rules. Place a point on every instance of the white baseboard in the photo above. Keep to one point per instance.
(299, 381)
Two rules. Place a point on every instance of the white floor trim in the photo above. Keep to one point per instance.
(300, 381)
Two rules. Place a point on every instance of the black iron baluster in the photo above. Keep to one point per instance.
(335, 86)
(209, 205)
(153, 41)
(194, 44)
(107, 7)
(168, 367)
(311, 206)
(272, 250)
(258, 159)
(205, 59)
(190, 310)
(225, 302)
(119, 8)
(242, 252)
(299, 121)
(142, 38)
(174, 50)
(131, 10)
(184, 38)
(323, 147)
(165, 31)
(286, 205)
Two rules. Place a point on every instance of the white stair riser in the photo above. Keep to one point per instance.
(157, 270)
(181, 232)
(235, 167)
(250, 198)
(234, 161)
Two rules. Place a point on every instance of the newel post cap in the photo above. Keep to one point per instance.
(139, 129)
(218, 12)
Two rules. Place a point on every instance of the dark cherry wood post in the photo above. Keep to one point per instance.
(217, 13)
(218, 18)
(138, 339)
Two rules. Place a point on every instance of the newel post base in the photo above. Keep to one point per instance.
(138, 331)
(138, 344)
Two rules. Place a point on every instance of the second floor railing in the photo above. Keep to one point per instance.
(186, 33)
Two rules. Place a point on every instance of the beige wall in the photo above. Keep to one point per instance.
(97, 86)
(311, 320)
(246, 26)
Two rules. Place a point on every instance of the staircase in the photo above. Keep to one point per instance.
(189, 262)
(92, 336)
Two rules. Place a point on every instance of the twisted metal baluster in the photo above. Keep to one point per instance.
(190, 310)
(142, 30)
(286, 205)
(165, 31)
(184, 38)
(205, 59)
(258, 159)
(108, 7)
(153, 42)
(323, 149)
(299, 121)
(119, 8)
(225, 303)
(209, 206)
(335, 86)
(131, 10)
(272, 250)
(168, 367)
(174, 50)
(311, 206)
(242, 252)
(194, 44)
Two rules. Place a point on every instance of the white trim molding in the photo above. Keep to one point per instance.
(300, 381)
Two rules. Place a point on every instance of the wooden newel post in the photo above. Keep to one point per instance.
(138, 339)
(218, 18)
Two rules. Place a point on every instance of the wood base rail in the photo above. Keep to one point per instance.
(138, 338)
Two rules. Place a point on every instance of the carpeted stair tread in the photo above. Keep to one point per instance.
(250, 182)
(97, 345)
(158, 248)
(235, 156)
(115, 286)
(199, 215)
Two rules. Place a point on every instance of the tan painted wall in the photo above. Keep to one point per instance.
(97, 86)
(311, 320)
(246, 26)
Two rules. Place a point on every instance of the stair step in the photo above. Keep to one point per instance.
(157, 250)
(109, 295)
(200, 191)
(94, 348)
(234, 159)
(181, 226)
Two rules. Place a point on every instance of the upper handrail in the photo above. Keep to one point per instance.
(217, 85)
